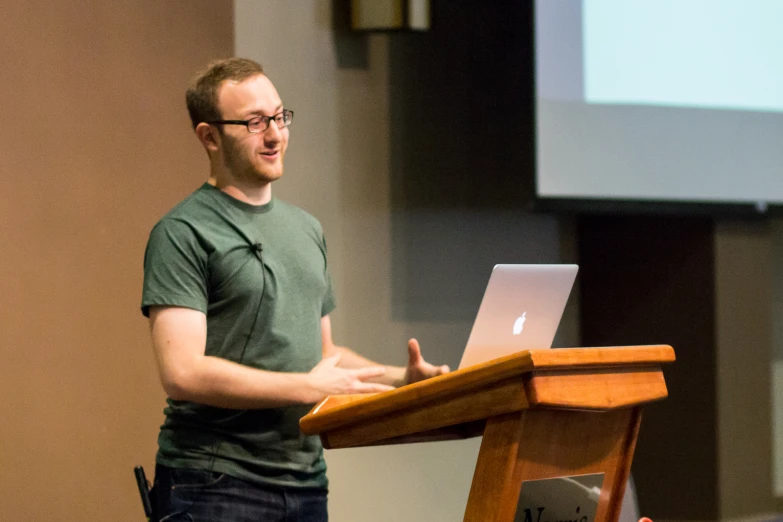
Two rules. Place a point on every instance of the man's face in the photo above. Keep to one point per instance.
(252, 157)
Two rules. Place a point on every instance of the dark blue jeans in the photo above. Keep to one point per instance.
(186, 495)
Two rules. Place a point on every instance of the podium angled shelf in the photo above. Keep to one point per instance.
(573, 378)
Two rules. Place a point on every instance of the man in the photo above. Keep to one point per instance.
(238, 292)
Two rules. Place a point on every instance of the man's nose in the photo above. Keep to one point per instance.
(273, 133)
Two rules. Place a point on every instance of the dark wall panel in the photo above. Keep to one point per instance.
(650, 280)
(462, 107)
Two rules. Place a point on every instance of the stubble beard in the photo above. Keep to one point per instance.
(244, 170)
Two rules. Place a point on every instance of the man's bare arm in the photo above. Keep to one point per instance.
(418, 369)
(179, 341)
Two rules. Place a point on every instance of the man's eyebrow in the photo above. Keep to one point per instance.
(259, 112)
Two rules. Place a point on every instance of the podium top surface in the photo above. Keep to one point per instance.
(590, 366)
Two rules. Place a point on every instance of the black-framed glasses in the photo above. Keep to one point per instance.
(260, 123)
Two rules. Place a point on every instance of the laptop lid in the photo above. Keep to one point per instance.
(521, 310)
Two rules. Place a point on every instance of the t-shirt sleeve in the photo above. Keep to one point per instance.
(329, 302)
(175, 268)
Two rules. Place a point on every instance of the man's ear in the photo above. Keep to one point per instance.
(208, 136)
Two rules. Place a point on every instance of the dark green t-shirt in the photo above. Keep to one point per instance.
(259, 273)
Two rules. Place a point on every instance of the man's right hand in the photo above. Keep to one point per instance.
(329, 379)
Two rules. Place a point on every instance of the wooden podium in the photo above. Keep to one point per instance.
(543, 414)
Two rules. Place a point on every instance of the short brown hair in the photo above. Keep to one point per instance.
(202, 93)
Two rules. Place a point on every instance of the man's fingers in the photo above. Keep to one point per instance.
(371, 387)
(368, 373)
(445, 369)
(414, 352)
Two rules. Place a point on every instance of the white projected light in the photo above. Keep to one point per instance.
(721, 54)
(666, 100)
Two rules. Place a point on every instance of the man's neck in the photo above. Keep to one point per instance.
(251, 193)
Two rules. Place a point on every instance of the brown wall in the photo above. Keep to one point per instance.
(95, 147)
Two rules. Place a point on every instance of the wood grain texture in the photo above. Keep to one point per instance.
(533, 445)
(500, 398)
(359, 408)
(601, 389)
(334, 412)
(462, 431)
(494, 491)
(544, 414)
(607, 356)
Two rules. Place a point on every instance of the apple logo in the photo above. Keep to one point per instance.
(519, 324)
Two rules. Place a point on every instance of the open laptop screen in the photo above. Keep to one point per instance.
(521, 310)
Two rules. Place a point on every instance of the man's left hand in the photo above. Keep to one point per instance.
(419, 369)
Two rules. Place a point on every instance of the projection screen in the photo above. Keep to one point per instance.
(677, 101)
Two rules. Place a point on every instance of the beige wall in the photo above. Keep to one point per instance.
(338, 167)
(776, 373)
(744, 293)
(96, 146)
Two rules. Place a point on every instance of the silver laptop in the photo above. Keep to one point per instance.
(521, 309)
